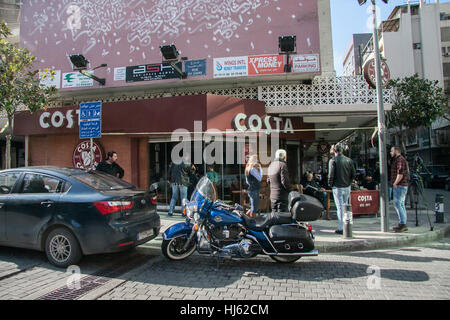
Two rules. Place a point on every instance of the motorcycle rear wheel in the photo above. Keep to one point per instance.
(285, 259)
(173, 248)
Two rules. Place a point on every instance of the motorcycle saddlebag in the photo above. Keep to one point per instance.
(303, 207)
(291, 239)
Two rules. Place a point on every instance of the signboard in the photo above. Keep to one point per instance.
(265, 64)
(369, 71)
(305, 63)
(148, 72)
(81, 157)
(76, 80)
(91, 120)
(230, 67)
(365, 201)
(48, 81)
(120, 74)
(195, 68)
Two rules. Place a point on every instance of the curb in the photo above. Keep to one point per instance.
(378, 244)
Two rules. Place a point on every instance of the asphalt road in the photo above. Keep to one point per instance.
(144, 274)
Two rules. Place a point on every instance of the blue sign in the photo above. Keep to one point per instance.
(91, 120)
(195, 68)
(91, 110)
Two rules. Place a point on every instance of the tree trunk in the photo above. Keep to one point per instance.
(403, 140)
(8, 144)
(8, 152)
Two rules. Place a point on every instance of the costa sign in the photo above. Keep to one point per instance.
(370, 73)
(82, 155)
(254, 123)
(58, 119)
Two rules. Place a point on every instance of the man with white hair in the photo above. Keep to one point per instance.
(278, 177)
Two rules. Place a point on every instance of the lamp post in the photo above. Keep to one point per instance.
(384, 196)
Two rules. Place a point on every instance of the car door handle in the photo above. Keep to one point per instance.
(47, 203)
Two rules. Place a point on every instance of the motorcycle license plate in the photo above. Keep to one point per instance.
(145, 234)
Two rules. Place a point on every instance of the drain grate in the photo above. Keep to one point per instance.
(96, 280)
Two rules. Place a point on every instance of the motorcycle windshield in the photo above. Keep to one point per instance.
(205, 188)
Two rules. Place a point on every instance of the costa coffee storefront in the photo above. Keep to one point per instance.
(141, 133)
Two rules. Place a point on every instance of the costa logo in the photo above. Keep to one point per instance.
(82, 155)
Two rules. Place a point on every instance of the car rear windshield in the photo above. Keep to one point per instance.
(103, 181)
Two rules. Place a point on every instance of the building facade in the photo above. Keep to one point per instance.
(413, 40)
(353, 61)
(236, 83)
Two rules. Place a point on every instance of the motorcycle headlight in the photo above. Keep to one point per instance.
(190, 210)
(196, 216)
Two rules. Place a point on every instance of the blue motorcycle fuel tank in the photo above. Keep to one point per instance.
(221, 217)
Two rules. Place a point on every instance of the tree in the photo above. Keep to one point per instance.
(19, 84)
(417, 102)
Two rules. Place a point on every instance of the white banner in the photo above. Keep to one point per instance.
(305, 63)
(120, 74)
(76, 80)
(48, 81)
(231, 67)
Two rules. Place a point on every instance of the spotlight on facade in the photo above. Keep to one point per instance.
(287, 45)
(79, 61)
(170, 54)
(80, 64)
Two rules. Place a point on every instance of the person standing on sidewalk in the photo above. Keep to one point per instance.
(340, 176)
(179, 180)
(400, 180)
(278, 178)
(253, 177)
(110, 166)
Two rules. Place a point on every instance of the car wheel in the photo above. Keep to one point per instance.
(62, 248)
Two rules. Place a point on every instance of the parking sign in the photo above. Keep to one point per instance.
(91, 120)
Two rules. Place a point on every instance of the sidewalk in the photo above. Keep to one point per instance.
(367, 233)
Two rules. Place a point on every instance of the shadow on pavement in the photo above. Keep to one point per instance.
(202, 272)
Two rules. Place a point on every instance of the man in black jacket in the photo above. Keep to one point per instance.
(278, 177)
(110, 166)
(340, 176)
(179, 179)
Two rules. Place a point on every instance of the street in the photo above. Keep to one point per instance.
(419, 272)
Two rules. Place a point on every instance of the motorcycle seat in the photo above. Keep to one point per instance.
(270, 219)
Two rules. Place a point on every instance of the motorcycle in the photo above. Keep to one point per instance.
(221, 230)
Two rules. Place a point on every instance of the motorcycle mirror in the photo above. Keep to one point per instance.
(154, 187)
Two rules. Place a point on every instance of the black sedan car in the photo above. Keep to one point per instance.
(69, 213)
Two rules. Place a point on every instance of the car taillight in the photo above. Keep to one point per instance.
(153, 199)
(108, 207)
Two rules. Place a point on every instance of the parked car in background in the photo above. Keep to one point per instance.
(435, 176)
(70, 212)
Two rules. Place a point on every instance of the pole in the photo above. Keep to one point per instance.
(92, 154)
(384, 200)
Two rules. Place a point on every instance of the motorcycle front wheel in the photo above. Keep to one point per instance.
(285, 259)
(173, 248)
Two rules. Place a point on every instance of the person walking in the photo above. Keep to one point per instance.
(110, 166)
(278, 177)
(253, 177)
(400, 181)
(340, 176)
(180, 174)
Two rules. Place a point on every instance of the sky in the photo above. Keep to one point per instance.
(348, 17)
